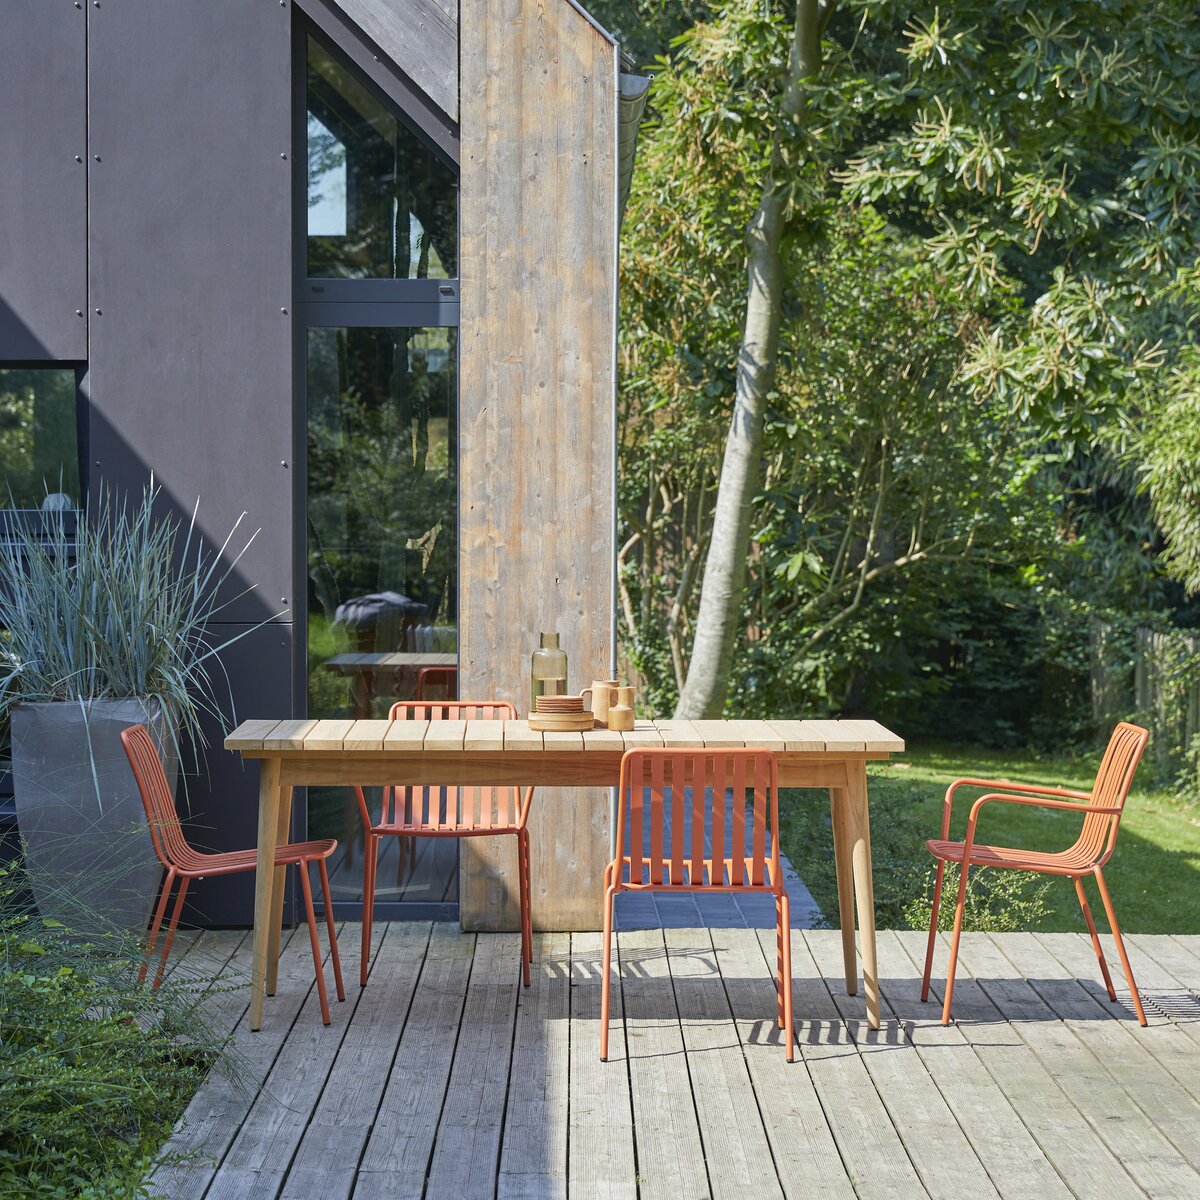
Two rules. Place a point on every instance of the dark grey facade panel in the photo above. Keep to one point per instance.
(190, 372)
(43, 181)
(220, 806)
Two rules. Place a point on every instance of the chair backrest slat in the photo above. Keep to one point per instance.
(1111, 790)
(737, 805)
(475, 806)
(654, 817)
(166, 831)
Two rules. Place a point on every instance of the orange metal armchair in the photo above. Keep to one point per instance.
(1101, 809)
(185, 863)
(721, 784)
(476, 811)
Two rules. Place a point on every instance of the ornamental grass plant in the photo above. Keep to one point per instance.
(121, 610)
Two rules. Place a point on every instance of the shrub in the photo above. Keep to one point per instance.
(94, 1068)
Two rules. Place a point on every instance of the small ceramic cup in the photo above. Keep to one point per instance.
(602, 695)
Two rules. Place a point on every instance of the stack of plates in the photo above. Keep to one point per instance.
(560, 714)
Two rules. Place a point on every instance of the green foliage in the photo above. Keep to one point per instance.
(94, 1069)
(989, 287)
(121, 611)
(997, 901)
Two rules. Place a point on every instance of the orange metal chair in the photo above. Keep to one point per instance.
(1101, 809)
(655, 805)
(437, 679)
(476, 811)
(185, 863)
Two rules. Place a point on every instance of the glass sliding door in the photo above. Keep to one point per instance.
(377, 292)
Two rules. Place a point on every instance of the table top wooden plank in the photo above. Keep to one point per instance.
(389, 660)
(603, 739)
(288, 735)
(328, 735)
(405, 735)
(375, 736)
(445, 735)
(875, 736)
(249, 735)
(484, 735)
(555, 740)
(837, 737)
(518, 736)
(758, 735)
(798, 736)
(366, 736)
(680, 733)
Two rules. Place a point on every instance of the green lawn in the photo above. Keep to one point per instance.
(1154, 875)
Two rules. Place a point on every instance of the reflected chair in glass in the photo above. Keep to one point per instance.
(1101, 810)
(442, 680)
(184, 863)
(478, 810)
(668, 800)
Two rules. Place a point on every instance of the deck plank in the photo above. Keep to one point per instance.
(1008, 1151)
(326, 1159)
(670, 1152)
(467, 1151)
(533, 1154)
(1038, 1077)
(600, 1145)
(401, 1139)
(805, 1153)
(445, 1077)
(928, 1126)
(736, 1147)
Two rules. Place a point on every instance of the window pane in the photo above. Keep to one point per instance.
(382, 559)
(381, 205)
(39, 444)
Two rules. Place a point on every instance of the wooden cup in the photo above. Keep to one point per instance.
(602, 694)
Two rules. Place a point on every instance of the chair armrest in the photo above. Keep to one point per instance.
(1008, 787)
(1001, 798)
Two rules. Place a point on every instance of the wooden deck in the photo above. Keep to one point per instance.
(443, 1078)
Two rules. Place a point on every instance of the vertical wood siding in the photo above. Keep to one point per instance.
(538, 113)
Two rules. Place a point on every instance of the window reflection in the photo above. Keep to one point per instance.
(39, 444)
(381, 205)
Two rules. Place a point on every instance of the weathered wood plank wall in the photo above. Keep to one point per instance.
(538, 252)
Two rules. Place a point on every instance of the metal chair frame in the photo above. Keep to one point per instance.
(476, 810)
(1101, 809)
(184, 863)
(722, 783)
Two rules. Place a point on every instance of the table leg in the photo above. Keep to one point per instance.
(269, 798)
(278, 887)
(839, 808)
(864, 887)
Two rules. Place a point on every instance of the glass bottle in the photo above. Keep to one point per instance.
(548, 671)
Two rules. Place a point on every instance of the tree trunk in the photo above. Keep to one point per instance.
(719, 618)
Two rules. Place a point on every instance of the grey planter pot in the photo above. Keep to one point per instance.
(88, 851)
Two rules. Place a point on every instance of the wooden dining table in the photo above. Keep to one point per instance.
(831, 755)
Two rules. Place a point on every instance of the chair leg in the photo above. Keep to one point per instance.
(784, 919)
(523, 889)
(160, 909)
(310, 913)
(333, 941)
(1087, 916)
(933, 924)
(370, 862)
(605, 970)
(1116, 932)
(958, 922)
(175, 911)
(779, 962)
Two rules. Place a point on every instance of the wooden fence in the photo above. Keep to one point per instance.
(1153, 677)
